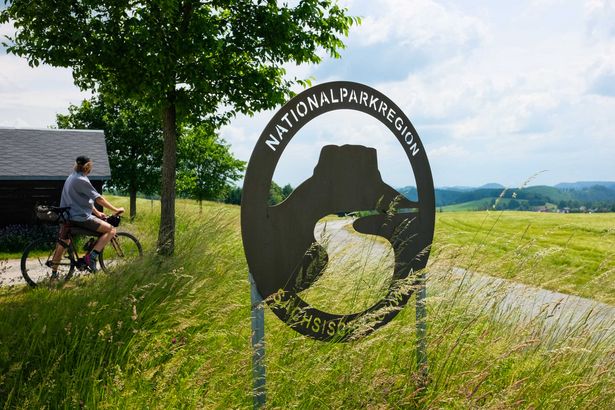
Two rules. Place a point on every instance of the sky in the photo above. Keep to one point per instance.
(497, 91)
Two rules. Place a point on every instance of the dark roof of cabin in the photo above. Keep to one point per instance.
(50, 154)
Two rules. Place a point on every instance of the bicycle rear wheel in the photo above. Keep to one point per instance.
(121, 250)
(37, 263)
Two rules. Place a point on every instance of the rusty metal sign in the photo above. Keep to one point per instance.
(283, 256)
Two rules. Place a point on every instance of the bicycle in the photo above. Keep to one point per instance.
(37, 259)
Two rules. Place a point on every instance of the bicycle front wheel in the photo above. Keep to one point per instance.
(121, 250)
(37, 263)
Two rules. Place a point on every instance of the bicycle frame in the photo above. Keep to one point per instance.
(73, 255)
(117, 246)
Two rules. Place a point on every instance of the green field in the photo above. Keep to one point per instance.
(488, 204)
(479, 204)
(174, 333)
(570, 253)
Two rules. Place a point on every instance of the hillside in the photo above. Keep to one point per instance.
(599, 198)
(174, 333)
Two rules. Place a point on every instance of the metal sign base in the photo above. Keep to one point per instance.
(421, 332)
(258, 345)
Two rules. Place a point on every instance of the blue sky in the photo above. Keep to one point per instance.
(496, 90)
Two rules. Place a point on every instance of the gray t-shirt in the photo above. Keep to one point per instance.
(79, 194)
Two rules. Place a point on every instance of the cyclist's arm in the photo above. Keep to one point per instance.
(97, 213)
(103, 202)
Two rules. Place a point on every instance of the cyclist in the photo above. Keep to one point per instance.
(80, 196)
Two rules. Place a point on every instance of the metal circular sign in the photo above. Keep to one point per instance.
(283, 256)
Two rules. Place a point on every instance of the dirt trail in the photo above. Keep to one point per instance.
(10, 273)
(559, 314)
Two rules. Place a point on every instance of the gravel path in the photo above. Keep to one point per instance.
(560, 315)
(10, 273)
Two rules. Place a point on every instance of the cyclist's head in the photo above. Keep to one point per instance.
(83, 164)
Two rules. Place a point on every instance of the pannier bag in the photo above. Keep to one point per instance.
(45, 214)
(114, 220)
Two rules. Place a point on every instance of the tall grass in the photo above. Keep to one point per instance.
(570, 253)
(174, 333)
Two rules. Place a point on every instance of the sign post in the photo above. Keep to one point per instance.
(258, 346)
(283, 256)
(421, 332)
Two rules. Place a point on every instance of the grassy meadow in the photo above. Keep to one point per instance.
(569, 253)
(175, 333)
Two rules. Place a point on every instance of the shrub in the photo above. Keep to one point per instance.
(14, 238)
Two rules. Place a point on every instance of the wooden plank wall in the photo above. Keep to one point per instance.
(19, 198)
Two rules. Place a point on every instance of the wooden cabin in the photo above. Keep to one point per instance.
(35, 163)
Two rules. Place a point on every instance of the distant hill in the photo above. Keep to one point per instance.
(584, 196)
(458, 188)
(584, 184)
(462, 188)
(492, 185)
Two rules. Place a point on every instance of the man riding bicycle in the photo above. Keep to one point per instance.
(80, 196)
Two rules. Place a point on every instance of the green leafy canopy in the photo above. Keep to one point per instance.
(206, 165)
(191, 61)
(209, 58)
(133, 137)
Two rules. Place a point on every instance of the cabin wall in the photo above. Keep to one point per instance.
(19, 198)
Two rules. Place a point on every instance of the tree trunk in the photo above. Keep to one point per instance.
(200, 206)
(166, 234)
(133, 202)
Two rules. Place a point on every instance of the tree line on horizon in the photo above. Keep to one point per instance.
(599, 198)
(277, 194)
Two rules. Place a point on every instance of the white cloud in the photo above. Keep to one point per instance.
(31, 97)
(497, 91)
(449, 151)
(600, 16)
(602, 76)
(511, 103)
(398, 37)
(418, 24)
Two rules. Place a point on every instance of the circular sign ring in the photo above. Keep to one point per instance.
(261, 234)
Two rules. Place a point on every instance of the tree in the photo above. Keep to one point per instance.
(276, 194)
(287, 190)
(513, 204)
(188, 60)
(233, 196)
(206, 165)
(134, 143)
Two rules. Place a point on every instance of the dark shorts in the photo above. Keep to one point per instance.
(91, 224)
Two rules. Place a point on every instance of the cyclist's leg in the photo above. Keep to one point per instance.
(94, 224)
(108, 232)
(63, 241)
